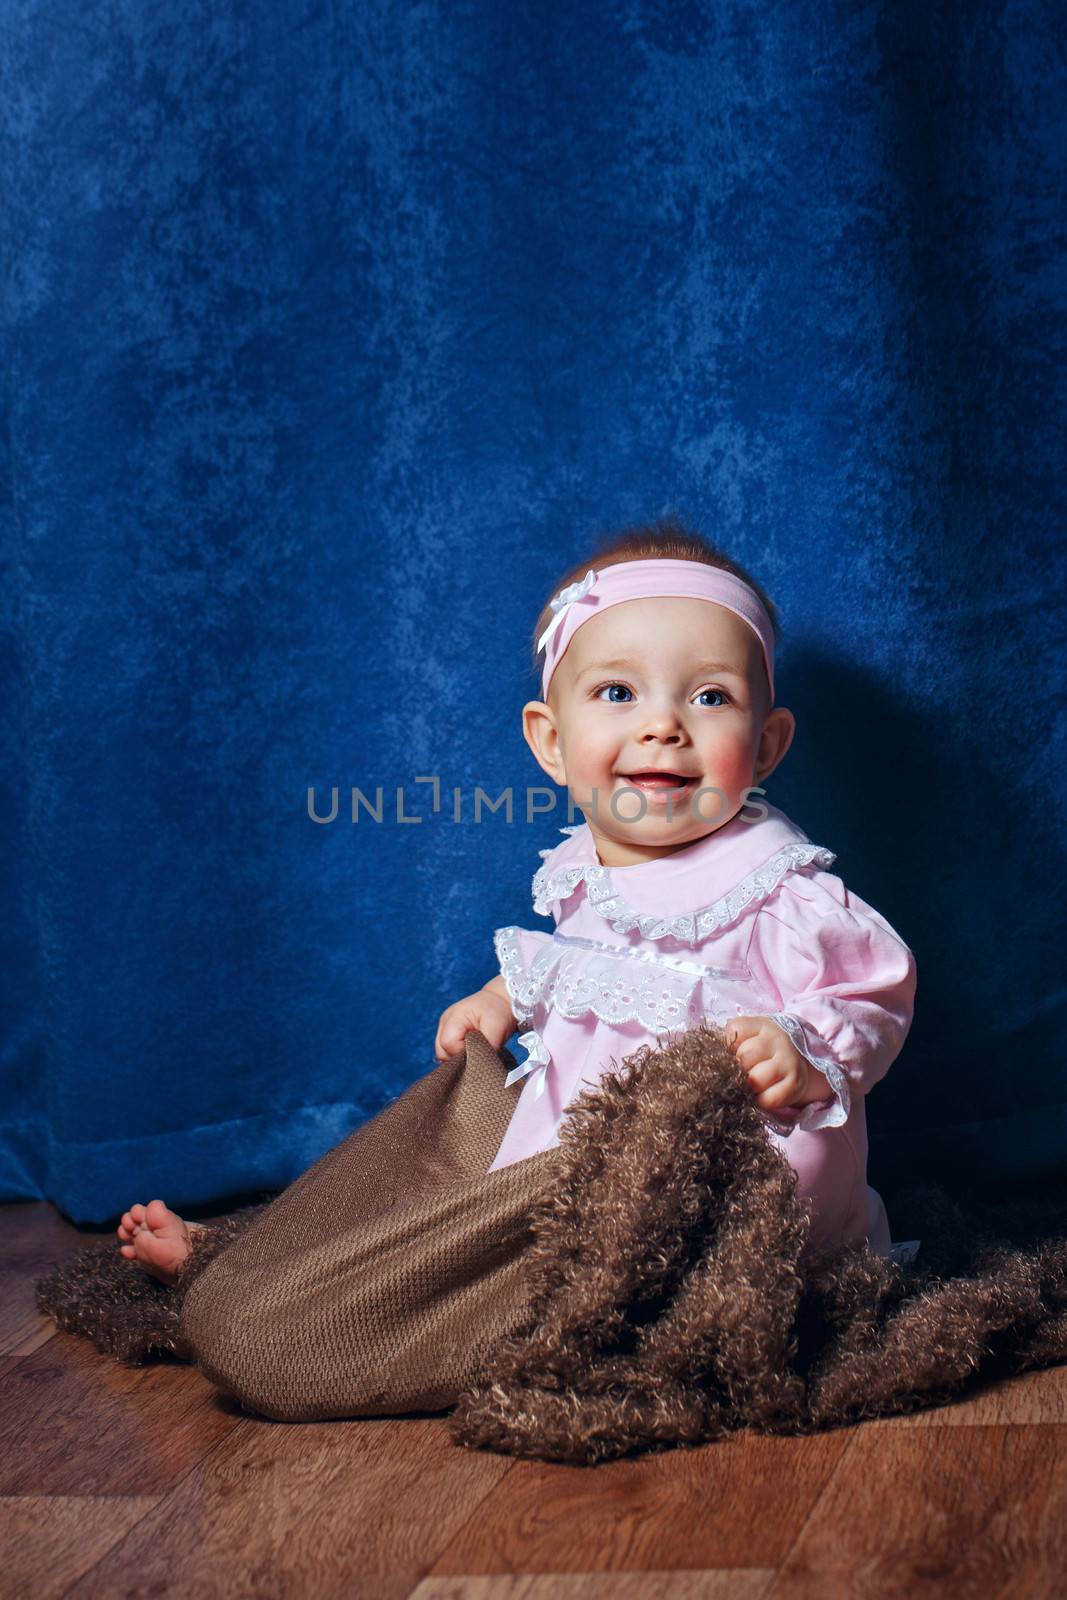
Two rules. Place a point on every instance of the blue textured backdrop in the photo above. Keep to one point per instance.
(332, 333)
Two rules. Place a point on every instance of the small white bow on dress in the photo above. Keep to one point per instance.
(538, 1057)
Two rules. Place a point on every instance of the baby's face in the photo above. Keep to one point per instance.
(675, 685)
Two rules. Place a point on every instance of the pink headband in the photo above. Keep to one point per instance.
(648, 579)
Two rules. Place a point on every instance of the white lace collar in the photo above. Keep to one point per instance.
(725, 873)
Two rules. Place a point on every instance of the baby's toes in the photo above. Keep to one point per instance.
(163, 1223)
(161, 1251)
(157, 1215)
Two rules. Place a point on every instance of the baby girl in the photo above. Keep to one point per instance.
(683, 897)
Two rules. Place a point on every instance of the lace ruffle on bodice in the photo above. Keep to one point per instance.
(577, 976)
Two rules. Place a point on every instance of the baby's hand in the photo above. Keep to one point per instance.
(489, 1011)
(774, 1065)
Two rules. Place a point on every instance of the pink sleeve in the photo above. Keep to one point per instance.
(843, 982)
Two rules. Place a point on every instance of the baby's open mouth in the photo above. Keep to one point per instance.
(655, 778)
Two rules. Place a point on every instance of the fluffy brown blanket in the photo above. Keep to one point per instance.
(673, 1294)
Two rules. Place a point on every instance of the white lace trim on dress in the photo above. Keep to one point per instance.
(821, 1113)
(690, 927)
(577, 976)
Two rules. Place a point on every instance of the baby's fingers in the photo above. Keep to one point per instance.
(780, 1094)
(751, 1052)
(449, 1041)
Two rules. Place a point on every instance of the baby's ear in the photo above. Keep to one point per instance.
(541, 734)
(778, 730)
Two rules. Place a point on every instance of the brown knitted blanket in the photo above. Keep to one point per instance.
(647, 1284)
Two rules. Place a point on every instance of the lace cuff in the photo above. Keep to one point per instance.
(829, 1113)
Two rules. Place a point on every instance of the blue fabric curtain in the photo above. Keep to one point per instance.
(333, 333)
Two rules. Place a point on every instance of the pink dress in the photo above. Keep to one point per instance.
(746, 921)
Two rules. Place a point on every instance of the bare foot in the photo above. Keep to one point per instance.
(155, 1237)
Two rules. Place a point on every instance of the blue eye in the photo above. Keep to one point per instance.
(615, 701)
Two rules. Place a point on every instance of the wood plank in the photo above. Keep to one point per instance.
(345, 1508)
(29, 1227)
(75, 1422)
(34, 1237)
(938, 1511)
(50, 1540)
(1039, 1396)
(738, 1583)
(33, 1339)
(670, 1510)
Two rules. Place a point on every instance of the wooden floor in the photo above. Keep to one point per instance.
(138, 1482)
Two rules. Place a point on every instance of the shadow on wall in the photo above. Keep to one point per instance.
(915, 813)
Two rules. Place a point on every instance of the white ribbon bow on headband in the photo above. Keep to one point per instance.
(560, 602)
